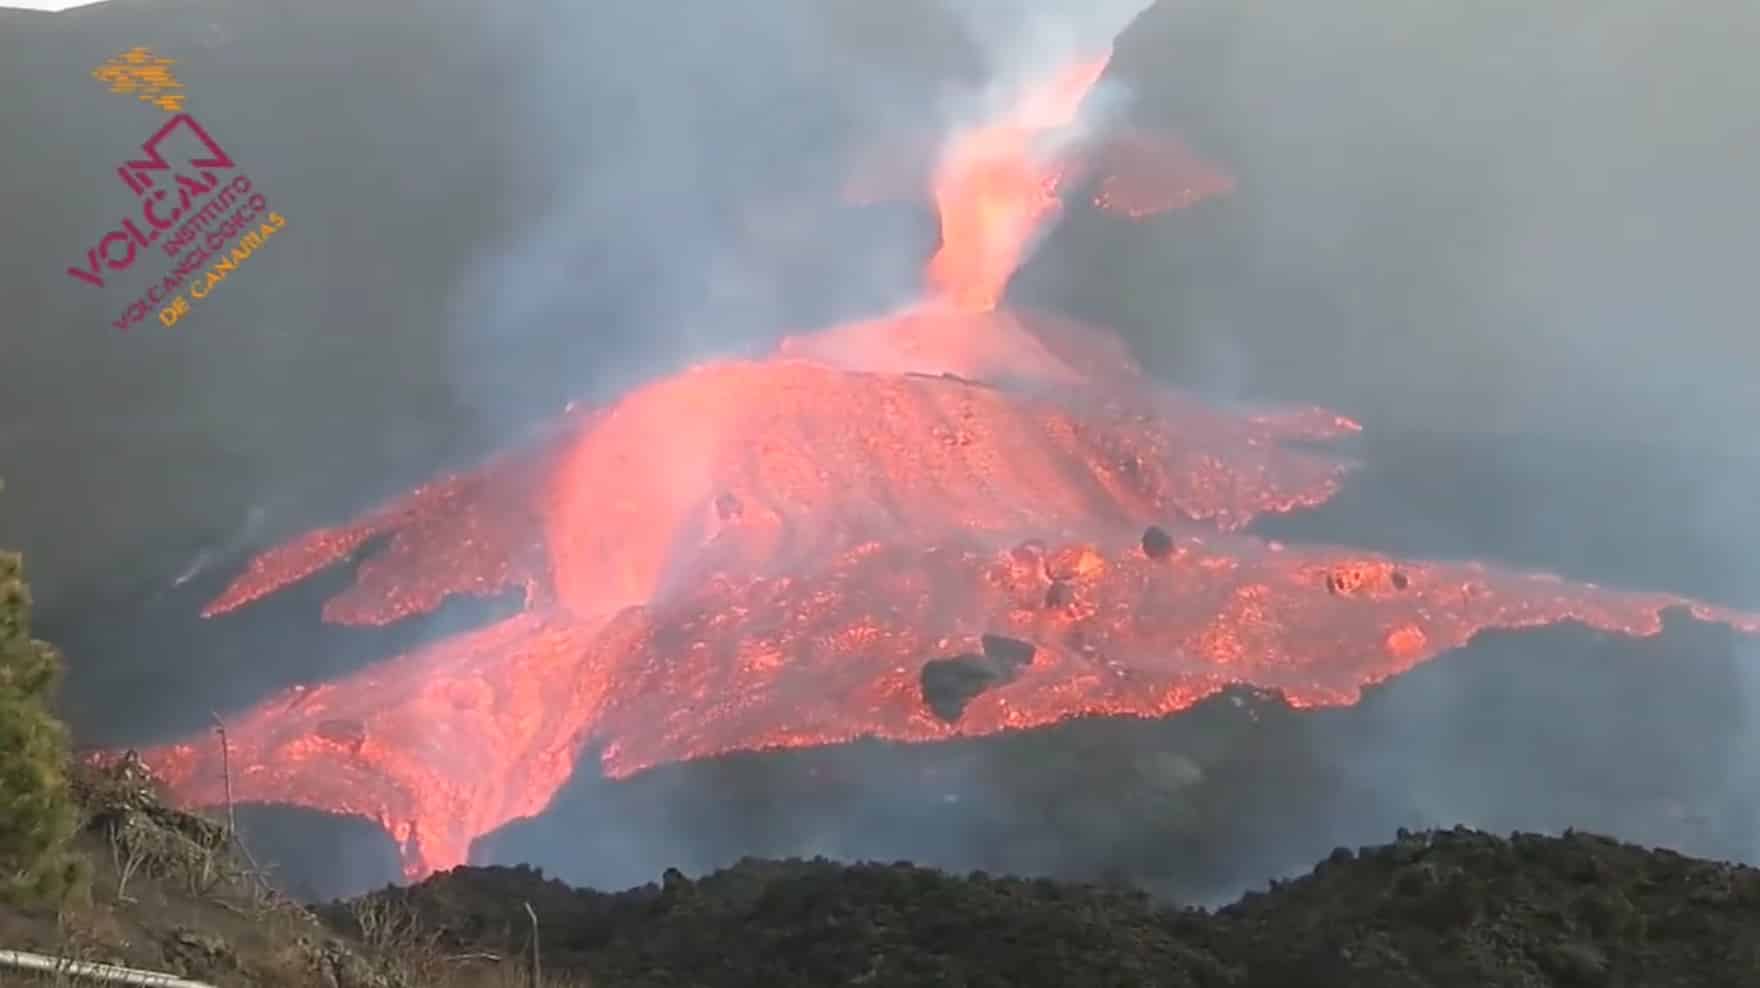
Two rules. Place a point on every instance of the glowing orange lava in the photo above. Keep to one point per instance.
(790, 551)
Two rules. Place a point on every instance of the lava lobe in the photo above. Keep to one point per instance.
(794, 551)
(953, 520)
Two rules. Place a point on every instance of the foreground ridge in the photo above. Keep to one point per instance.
(1433, 909)
(1438, 908)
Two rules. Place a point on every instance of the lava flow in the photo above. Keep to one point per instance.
(956, 520)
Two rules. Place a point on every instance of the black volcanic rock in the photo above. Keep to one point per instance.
(1438, 908)
(1156, 542)
(949, 684)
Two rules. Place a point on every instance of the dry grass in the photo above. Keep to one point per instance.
(390, 930)
(172, 890)
(410, 954)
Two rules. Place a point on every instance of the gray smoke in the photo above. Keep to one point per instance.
(1516, 222)
(676, 116)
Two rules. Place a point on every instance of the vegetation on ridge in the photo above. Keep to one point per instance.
(1435, 909)
(37, 815)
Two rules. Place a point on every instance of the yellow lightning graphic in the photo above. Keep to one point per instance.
(145, 74)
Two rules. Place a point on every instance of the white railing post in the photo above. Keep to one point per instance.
(25, 961)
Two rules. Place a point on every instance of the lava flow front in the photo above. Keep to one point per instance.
(956, 520)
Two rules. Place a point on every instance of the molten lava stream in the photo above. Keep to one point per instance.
(841, 539)
(950, 521)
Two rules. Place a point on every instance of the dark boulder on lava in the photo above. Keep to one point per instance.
(1157, 544)
(950, 684)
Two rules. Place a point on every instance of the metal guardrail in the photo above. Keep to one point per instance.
(25, 961)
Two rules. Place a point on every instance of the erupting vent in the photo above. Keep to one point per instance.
(957, 520)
